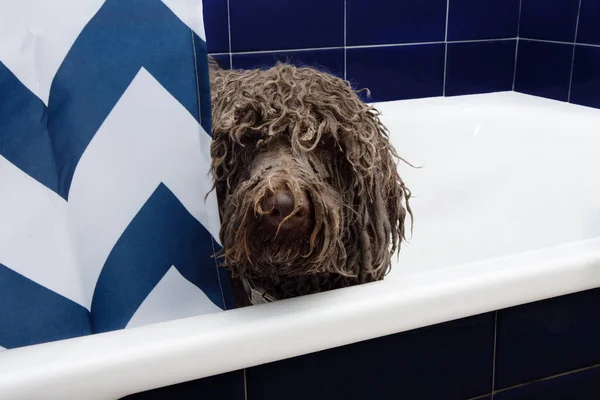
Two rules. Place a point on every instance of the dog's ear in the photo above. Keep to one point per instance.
(380, 200)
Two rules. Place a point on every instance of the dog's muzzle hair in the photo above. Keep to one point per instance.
(309, 193)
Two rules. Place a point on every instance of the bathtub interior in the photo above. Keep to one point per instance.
(500, 174)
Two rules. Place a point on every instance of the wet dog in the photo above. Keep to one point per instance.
(309, 192)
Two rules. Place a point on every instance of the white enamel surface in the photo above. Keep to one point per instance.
(501, 174)
(507, 212)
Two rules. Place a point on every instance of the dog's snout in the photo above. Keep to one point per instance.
(280, 204)
(281, 214)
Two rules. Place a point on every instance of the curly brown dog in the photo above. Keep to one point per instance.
(307, 183)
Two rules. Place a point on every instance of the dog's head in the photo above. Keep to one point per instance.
(305, 175)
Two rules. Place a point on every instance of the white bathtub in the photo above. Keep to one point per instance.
(507, 209)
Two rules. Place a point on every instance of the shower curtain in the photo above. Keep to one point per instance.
(104, 168)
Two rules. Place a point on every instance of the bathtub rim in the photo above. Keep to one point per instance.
(115, 364)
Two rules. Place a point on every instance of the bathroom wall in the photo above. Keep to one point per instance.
(559, 50)
(420, 48)
(398, 49)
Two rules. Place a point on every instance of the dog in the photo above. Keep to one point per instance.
(307, 183)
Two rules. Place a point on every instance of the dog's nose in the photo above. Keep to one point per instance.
(280, 206)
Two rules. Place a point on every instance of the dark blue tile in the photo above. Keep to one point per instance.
(544, 69)
(480, 67)
(215, 25)
(447, 361)
(585, 89)
(286, 24)
(546, 338)
(549, 19)
(583, 385)
(390, 22)
(229, 386)
(331, 61)
(589, 22)
(223, 60)
(477, 19)
(398, 72)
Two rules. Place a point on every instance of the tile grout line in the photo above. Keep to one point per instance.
(548, 41)
(245, 386)
(519, 19)
(494, 354)
(368, 46)
(481, 40)
(446, 47)
(587, 44)
(229, 33)
(558, 42)
(547, 378)
(482, 397)
(372, 46)
(515, 68)
(345, 48)
(573, 56)
(287, 50)
(517, 49)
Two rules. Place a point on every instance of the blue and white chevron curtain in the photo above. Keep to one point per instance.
(104, 168)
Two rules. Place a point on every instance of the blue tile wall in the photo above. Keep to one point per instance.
(393, 47)
(397, 49)
(217, 26)
(582, 385)
(585, 88)
(286, 24)
(547, 338)
(559, 50)
(397, 72)
(477, 19)
(392, 22)
(589, 22)
(329, 60)
(549, 19)
(544, 69)
(229, 386)
(480, 67)
(447, 361)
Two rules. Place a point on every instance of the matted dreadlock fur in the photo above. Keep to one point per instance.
(308, 132)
